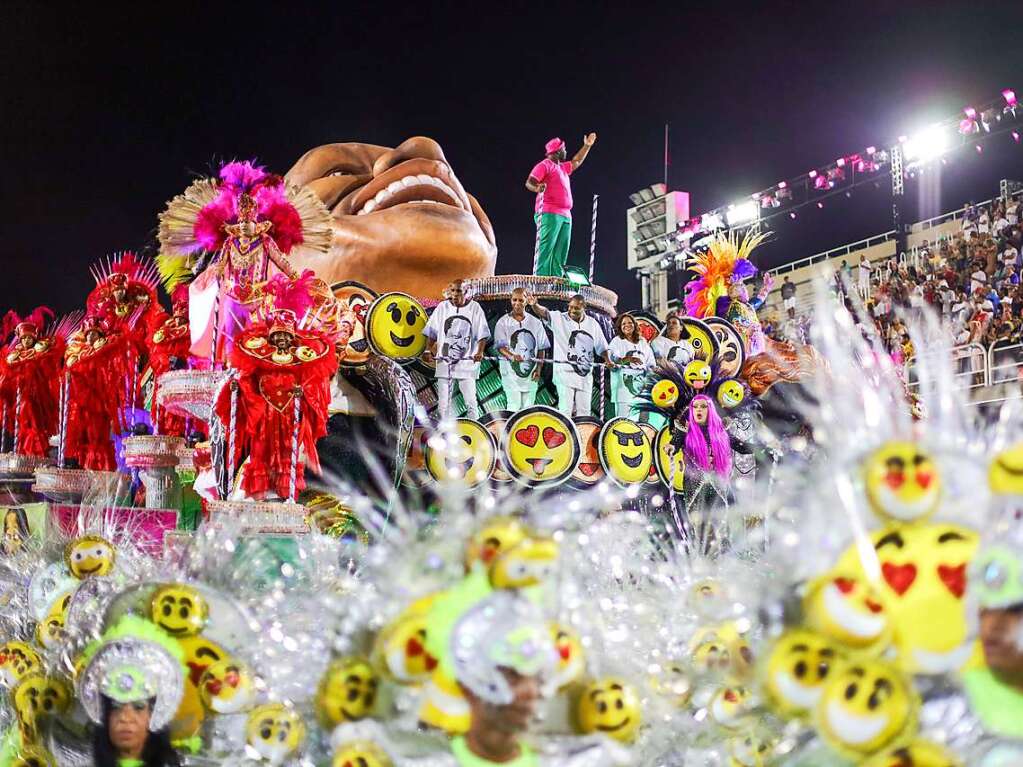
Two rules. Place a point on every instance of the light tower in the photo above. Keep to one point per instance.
(650, 227)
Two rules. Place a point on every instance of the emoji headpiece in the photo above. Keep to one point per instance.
(282, 321)
(725, 262)
(135, 661)
(503, 630)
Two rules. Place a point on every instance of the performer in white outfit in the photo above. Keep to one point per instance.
(578, 341)
(458, 334)
(520, 339)
(631, 357)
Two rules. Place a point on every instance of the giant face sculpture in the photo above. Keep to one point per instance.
(402, 220)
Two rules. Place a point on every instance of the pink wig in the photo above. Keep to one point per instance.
(715, 434)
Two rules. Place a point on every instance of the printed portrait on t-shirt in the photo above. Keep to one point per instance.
(681, 353)
(580, 352)
(15, 531)
(523, 343)
(457, 333)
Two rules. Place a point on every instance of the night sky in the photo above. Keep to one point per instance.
(108, 115)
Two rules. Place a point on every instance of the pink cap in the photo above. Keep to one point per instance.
(554, 145)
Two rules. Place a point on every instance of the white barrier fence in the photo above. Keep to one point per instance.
(977, 369)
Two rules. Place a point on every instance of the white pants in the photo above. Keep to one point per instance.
(518, 399)
(574, 402)
(468, 388)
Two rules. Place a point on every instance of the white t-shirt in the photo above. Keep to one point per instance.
(984, 223)
(526, 337)
(1009, 255)
(457, 331)
(1000, 224)
(680, 352)
(1012, 212)
(978, 280)
(865, 271)
(627, 382)
(576, 344)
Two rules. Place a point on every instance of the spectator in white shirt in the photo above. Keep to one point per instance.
(630, 357)
(457, 332)
(864, 277)
(978, 280)
(578, 343)
(1001, 223)
(1012, 211)
(984, 222)
(1009, 255)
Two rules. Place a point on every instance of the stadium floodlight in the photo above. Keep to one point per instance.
(926, 145)
(711, 221)
(637, 198)
(742, 213)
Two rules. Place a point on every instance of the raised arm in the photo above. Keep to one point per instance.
(588, 141)
(534, 306)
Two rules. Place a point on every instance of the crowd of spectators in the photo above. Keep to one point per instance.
(971, 280)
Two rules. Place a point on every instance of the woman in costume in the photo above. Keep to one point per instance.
(250, 221)
(719, 289)
(125, 297)
(30, 372)
(631, 357)
(278, 361)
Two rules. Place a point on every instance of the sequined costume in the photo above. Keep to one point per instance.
(270, 376)
(168, 350)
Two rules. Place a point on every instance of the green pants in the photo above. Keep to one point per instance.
(555, 235)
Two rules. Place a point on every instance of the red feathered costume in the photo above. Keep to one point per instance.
(30, 370)
(170, 340)
(125, 298)
(273, 359)
(98, 364)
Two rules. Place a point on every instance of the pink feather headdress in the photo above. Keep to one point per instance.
(194, 221)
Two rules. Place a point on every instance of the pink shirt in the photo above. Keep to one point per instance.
(557, 198)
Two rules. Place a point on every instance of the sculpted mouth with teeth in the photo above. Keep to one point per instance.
(402, 220)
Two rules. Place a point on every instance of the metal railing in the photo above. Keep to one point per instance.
(977, 367)
(842, 250)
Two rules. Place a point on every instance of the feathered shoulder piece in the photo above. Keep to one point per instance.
(726, 261)
(12, 322)
(194, 221)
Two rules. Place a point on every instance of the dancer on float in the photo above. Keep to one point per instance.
(168, 350)
(279, 402)
(670, 346)
(553, 211)
(520, 339)
(250, 221)
(630, 357)
(30, 377)
(458, 334)
(578, 342)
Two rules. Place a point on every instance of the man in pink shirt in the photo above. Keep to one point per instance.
(553, 216)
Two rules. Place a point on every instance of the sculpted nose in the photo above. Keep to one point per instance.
(417, 147)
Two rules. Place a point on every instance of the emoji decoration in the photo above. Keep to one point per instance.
(697, 375)
(400, 647)
(850, 611)
(37, 696)
(866, 706)
(1005, 474)
(611, 707)
(664, 393)
(588, 471)
(541, 446)
(671, 467)
(17, 660)
(360, 753)
(394, 327)
(274, 733)
(797, 667)
(903, 482)
(731, 351)
(626, 454)
(227, 687)
(700, 337)
(466, 454)
(347, 692)
(359, 298)
(731, 393)
(90, 555)
(494, 421)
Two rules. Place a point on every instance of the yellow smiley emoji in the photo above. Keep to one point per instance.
(846, 608)
(919, 753)
(361, 753)
(625, 452)
(571, 663)
(347, 692)
(466, 454)
(588, 471)
(697, 375)
(664, 393)
(179, 610)
(275, 732)
(541, 446)
(700, 337)
(609, 706)
(394, 327)
(200, 655)
(903, 482)
(89, 556)
(37, 696)
(32, 756)
(730, 393)
(399, 650)
(923, 581)
(798, 666)
(17, 659)
(1005, 476)
(866, 706)
(227, 687)
(527, 563)
(669, 466)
